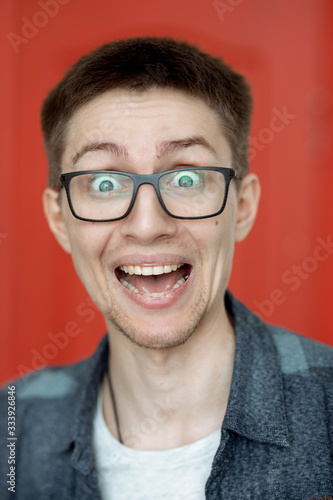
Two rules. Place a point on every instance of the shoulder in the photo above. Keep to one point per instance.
(307, 375)
(46, 400)
(42, 407)
(50, 383)
(302, 356)
(59, 382)
(54, 395)
(43, 398)
(296, 355)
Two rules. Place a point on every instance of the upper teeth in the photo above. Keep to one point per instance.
(148, 271)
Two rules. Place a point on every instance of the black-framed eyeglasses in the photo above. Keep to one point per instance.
(107, 195)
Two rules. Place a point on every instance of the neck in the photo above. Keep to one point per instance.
(167, 398)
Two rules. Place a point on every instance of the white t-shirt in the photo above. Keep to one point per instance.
(127, 473)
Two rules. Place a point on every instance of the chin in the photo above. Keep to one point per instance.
(155, 341)
(157, 334)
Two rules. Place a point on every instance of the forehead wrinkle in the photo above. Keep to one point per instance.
(167, 147)
(109, 147)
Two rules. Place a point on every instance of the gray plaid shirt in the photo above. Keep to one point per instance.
(276, 438)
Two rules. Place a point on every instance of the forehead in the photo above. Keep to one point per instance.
(139, 122)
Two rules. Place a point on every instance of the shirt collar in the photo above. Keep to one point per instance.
(96, 366)
(256, 406)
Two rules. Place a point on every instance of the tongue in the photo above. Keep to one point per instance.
(155, 284)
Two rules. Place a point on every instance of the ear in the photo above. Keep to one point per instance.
(54, 215)
(247, 205)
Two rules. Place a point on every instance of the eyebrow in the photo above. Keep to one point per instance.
(108, 147)
(165, 148)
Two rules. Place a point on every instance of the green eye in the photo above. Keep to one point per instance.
(186, 179)
(106, 186)
(104, 183)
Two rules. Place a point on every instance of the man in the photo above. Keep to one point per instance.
(190, 395)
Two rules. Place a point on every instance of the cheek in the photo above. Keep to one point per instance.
(213, 245)
(219, 234)
(87, 242)
(220, 247)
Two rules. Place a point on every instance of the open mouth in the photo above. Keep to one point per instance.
(153, 281)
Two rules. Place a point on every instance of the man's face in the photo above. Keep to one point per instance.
(151, 132)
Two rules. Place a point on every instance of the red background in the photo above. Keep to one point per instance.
(285, 50)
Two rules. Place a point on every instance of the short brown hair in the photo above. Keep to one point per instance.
(141, 64)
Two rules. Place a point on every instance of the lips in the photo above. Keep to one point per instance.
(153, 281)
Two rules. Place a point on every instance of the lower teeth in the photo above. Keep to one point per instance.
(133, 289)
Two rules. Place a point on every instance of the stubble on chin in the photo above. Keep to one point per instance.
(157, 340)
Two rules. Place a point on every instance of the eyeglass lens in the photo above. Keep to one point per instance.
(185, 193)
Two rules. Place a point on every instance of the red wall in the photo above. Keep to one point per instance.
(285, 50)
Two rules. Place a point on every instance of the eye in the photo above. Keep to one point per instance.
(187, 179)
(104, 183)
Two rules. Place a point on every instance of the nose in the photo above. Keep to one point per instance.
(147, 221)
